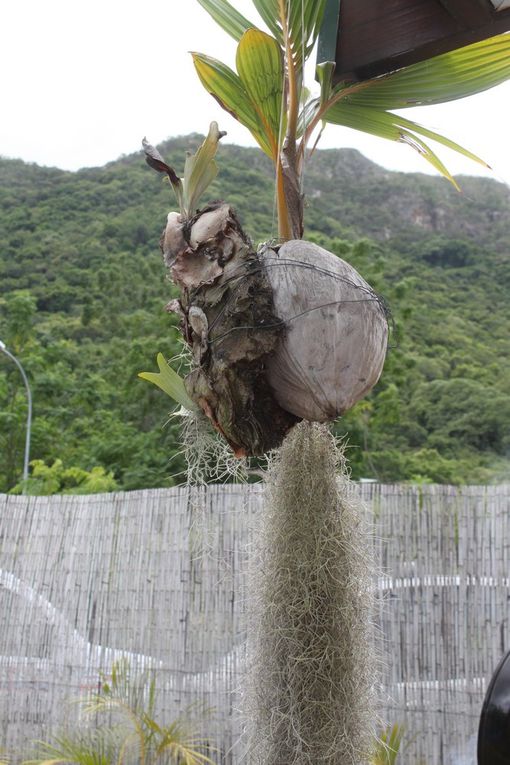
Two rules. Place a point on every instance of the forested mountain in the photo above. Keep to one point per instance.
(83, 289)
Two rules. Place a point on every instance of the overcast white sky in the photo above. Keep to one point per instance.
(83, 82)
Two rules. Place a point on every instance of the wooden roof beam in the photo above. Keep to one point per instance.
(470, 13)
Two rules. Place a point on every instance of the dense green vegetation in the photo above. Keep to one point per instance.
(83, 289)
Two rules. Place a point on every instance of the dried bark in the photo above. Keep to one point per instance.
(227, 317)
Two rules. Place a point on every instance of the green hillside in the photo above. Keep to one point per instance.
(83, 289)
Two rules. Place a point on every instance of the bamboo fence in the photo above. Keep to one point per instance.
(159, 577)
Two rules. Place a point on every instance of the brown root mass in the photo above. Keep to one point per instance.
(227, 313)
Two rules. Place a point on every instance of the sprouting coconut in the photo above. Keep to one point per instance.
(293, 332)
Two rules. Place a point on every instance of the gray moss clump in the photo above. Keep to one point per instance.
(311, 678)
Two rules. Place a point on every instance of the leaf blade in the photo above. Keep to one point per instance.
(304, 18)
(259, 63)
(227, 17)
(269, 11)
(226, 87)
(444, 78)
(200, 169)
(394, 128)
(170, 382)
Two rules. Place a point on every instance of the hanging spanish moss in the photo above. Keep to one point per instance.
(206, 454)
(310, 695)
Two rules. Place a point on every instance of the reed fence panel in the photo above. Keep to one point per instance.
(159, 577)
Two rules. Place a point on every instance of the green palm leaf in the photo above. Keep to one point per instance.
(201, 169)
(454, 75)
(269, 10)
(388, 746)
(259, 62)
(228, 18)
(304, 21)
(169, 381)
(226, 87)
(89, 748)
(394, 128)
(450, 76)
(174, 740)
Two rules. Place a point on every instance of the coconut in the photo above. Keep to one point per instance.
(334, 347)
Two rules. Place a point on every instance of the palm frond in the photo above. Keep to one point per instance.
(228, 18)
(394, 128)
(226, 87)
(97, 747)
(388, 746)
(458, 74)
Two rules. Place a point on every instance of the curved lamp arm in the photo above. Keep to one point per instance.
(29, 414)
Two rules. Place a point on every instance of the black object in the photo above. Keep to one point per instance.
(494, 730)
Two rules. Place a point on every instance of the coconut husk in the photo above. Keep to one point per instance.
(228, 318)
(333, 350)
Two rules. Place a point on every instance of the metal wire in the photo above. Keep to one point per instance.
(252, 267)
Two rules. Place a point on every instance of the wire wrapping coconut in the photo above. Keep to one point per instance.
(280, 335)
(334, 348)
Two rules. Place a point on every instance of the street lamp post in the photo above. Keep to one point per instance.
(29, 414)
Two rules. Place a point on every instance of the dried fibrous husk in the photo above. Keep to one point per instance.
(172, 241)
(334, 347)
(227, 317)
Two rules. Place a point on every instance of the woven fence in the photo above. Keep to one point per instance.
(159, 577)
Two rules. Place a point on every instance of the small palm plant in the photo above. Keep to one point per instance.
(134, 737)
(268, 94)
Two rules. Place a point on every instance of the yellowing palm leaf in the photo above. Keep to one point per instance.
(259, 62)
(226, 87)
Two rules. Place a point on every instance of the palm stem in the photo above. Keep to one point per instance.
(293, 104)
(284, 227)
(290, 216)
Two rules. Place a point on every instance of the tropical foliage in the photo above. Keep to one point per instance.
(82, 298)
(267, 93)
(126, 730)
(55, 479)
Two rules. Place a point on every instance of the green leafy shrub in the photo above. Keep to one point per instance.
(130, 733)
(55, 479)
